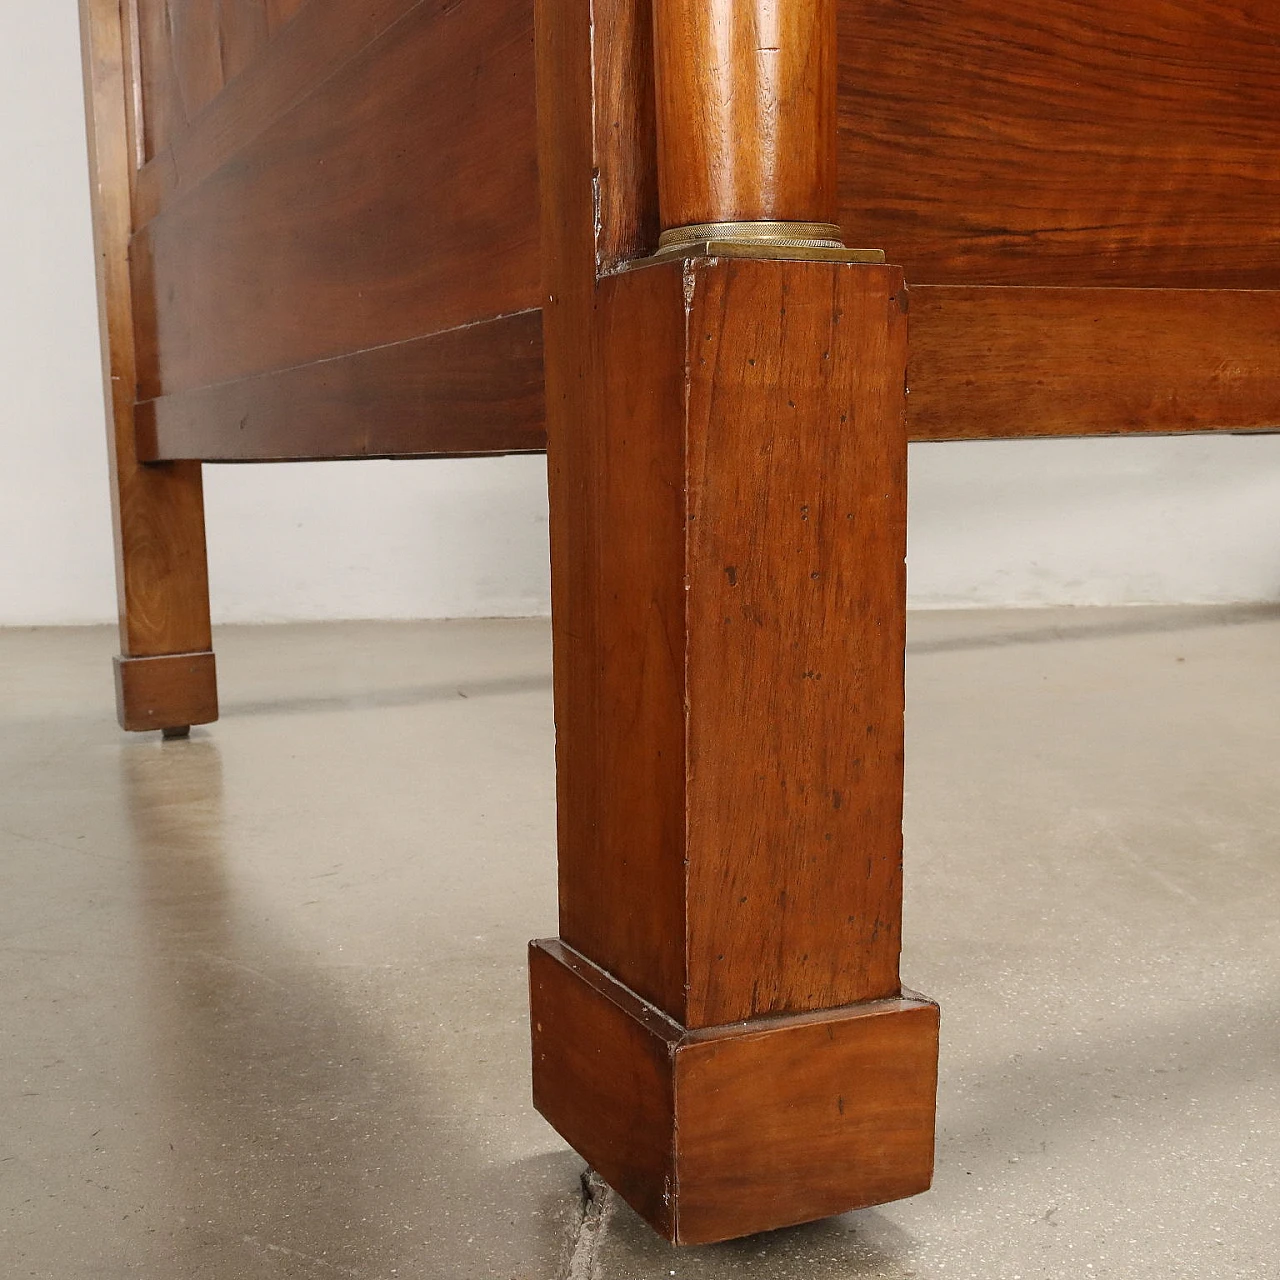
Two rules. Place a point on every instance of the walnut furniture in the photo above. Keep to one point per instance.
(721, 260)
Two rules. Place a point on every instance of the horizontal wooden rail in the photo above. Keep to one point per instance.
(1009, 362)
(473, 390)
(986, 364)
(323, 37)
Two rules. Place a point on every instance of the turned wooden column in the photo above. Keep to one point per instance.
(746, 113)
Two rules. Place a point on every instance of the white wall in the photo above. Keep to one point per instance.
(1021, 523)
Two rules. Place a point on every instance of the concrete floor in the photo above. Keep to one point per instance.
(263, 1002)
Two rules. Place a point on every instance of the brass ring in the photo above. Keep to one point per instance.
(790, 235)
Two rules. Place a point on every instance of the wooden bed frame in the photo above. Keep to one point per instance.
(352, 228)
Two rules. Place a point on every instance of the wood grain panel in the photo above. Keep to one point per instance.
(1063, 143)
(990, 363)
(476, 390)
(162, 111)
(280, 11)
(243, 34)
(796, 630)
(190, 50)
(396, 201)
(986, 363)
(328, 34)
(197, 50)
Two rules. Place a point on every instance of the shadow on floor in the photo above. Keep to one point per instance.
(295, 1136)
(1134, 621)
(411, 695)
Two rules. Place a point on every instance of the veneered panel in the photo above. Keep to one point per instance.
(162, 107)
(986, 363)
(1071, 142)
(472, 390)
(242, 25)
(197, 50)
(280, 11)
(397, 200)
(327, 34)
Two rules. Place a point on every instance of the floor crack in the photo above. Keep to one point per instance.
(595, 1211)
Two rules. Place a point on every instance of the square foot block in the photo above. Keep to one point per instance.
(173, 691)
(719, 1132)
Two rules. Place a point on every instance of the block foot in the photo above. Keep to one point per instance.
(170, 693)
(720, 1132)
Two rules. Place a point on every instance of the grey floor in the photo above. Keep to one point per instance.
(262, 1011)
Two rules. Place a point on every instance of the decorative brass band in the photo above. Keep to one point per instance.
(793, 235)
(804, 241)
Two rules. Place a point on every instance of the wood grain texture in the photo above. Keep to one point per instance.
(793, 1119)
(191, 50)
(196, 49)
(1074, 142)
(242, 33)
(157, 512)
(726, 446)
(617, 500)
(658, 381)
(992, 363)
(746, 101)
(326, 35)
(602, 1075)
(625, 136)
(475, 390)
(796, 628)
(719, 1133)
(635, 840)
(162, 107)
(396, 201)
(1069, 143)
(280, 11)
(986, 363)
(729, 645)
(174, 691)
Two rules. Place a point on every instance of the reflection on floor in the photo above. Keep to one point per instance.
(263, 1009)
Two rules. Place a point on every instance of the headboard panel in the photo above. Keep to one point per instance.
(1067, 142)
(189, 50)
(369, 177)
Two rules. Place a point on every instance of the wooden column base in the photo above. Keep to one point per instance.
(173, 691)
(720, 1132)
